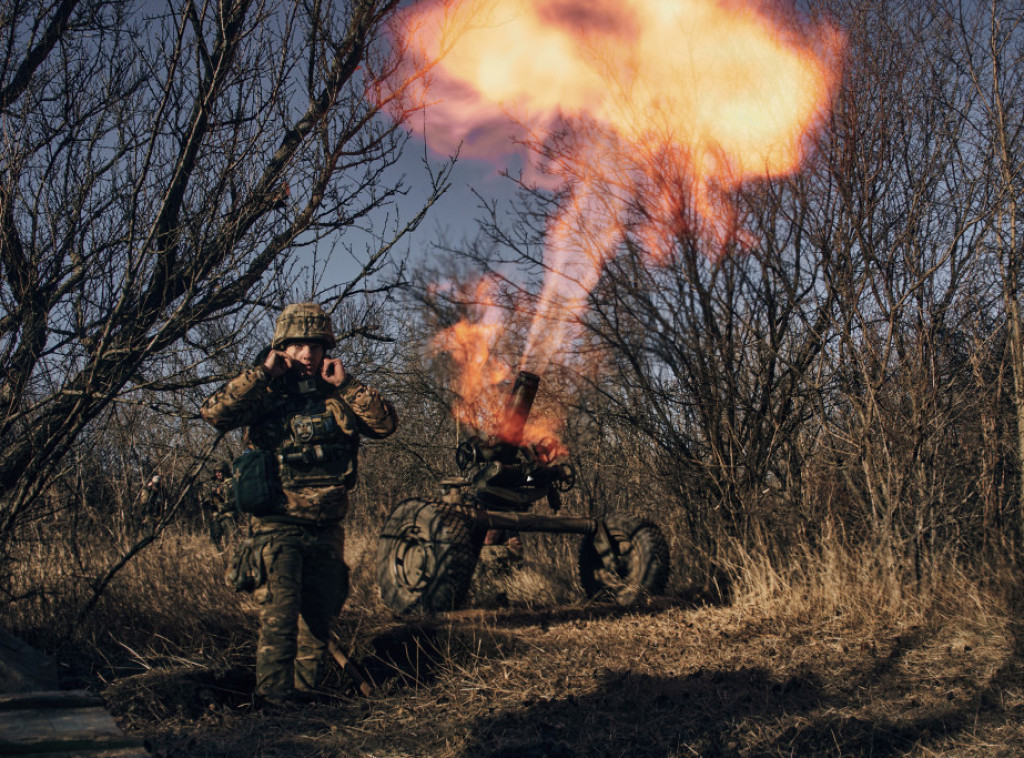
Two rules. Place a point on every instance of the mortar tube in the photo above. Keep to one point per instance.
(518, 406)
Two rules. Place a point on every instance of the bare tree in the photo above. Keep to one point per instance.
(163, 165)
(901, 226)
(988, 45)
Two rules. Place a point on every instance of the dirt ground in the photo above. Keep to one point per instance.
(578, 680)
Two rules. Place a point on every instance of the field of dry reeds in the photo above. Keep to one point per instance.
(828, 654)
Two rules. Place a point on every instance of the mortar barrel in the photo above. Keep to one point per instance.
(519, 405)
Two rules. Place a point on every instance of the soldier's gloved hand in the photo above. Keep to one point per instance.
(333, 371)
(277, 363)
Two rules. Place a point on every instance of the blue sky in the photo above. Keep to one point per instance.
(453, 218)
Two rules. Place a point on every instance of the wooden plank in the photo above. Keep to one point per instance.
(60, 730)
(49, 699)
(23, 668)
(117, 752)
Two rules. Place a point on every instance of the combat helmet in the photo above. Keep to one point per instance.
(303, 322)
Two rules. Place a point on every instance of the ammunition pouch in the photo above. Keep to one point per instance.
(245, 572)
(318, 464)
(305, 456)
(257, 486)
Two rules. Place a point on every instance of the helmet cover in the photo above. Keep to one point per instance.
(303, 322)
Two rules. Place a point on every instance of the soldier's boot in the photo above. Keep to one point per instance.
(275, 669)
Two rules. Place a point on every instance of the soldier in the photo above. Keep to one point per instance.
(218, 509)
(153, 497)
(305, 409)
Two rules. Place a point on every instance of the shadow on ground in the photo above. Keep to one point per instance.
(911, 694)
(709, 713)
(412, 653)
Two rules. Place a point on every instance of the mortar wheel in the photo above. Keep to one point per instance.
(425, 558)
(640, 558)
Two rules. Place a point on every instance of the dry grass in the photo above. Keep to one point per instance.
(828, 655)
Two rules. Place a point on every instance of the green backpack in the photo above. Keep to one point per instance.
(257, 485)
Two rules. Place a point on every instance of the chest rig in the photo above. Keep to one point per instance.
(312, 434)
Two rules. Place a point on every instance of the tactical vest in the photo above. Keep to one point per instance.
(313, 435)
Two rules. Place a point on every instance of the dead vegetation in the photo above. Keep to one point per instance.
(826, 657)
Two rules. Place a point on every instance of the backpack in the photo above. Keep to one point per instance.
(257, 486)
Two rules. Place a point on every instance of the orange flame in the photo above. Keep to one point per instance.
(471, 343)
(483, 378)
(642, 114)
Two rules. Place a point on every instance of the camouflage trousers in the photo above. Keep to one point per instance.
(305, 587)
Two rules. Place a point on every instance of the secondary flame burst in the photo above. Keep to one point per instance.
(473, 343)
(643, 115)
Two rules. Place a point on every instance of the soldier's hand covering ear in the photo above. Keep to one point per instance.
(277, 363)
(333, 371)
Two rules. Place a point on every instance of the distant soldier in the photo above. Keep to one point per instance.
(306, 413)
(152, 498)
(218, 508)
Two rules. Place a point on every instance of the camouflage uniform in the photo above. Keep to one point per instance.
(313, 428)
(218, 510)
(153, 498)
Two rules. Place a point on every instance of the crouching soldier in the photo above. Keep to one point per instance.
(304, 416)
